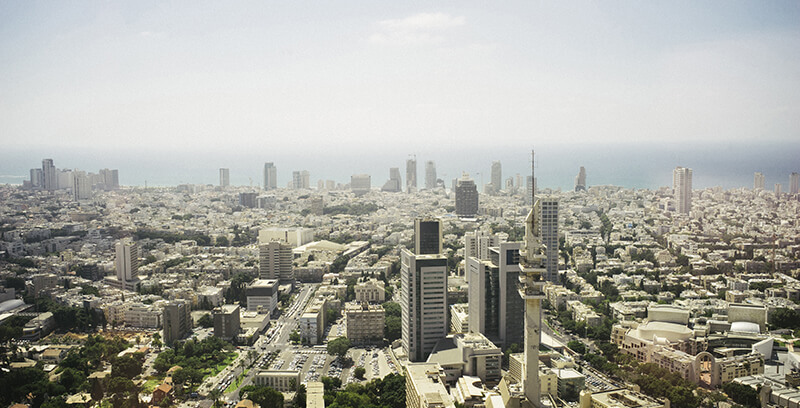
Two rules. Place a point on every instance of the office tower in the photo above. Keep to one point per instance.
(495, 306)
(423, 295)
(36, 178)
(275, 261)
(224, 177)
(580, 180)
(49, 177)
(427, 236)
(778, 189)
(430, 175)
(360, 184)
(394, 184)
(547, 213)
(497, 177)
(758, 181)
(794, 183)
(411, 175)
(532, 267)
(127, 263)
(81, 189)
(270, 176)
(226, 322)
(466, 197)
(477, 243)
(682, 189)
(177, 321)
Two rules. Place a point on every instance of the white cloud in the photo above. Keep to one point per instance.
(423, 28)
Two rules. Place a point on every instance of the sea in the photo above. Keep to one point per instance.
(632, 165)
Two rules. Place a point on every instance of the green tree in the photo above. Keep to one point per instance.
(206, 320)
(263, 396)
(359, 372)
(338, 346)
(577, 346)
(127, 366)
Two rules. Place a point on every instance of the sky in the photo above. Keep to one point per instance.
(305, 78)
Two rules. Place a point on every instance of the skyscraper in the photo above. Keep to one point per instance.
(360, 184)
(794, 183)
(495, 306)
(394, 184)
(49, 177)
(430, 175)
(758, 181)
(423, 295)
(411, 175)
(177, 321)
(270, 176)
(580, 180)
(477, 244)
(81, 190)
(497, 177)
(127, 263)
(682, 189)
(427, 236)
(36, 178)
(275, 261)
(466, 197)
(547, 213)
(301, 180)
(224, 177)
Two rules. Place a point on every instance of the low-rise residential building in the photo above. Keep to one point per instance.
(371, 291)
(425, 386)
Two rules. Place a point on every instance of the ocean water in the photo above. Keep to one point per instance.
(631, 165)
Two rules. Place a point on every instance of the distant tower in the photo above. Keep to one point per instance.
(580, 180)
(430, 175)
(301, 180)
(533, 266)
(224, 177)
(758, 181)
(411, 175)
(36, 178)
(778, 189)
(270, 176)
(682, 189)
(466, 197)
(794, 183)
(423, 292)
(394, 184)
(81, 189)
(49, 177)
(360, 184)
(497, 177)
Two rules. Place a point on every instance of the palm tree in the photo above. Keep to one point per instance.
(214, 395)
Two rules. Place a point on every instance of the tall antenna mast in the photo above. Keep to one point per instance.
(533, 181)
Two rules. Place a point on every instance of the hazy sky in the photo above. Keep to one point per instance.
(327, 76)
